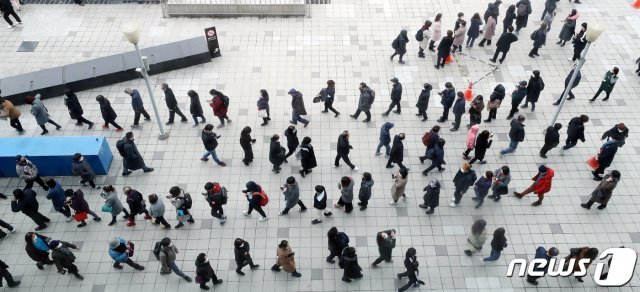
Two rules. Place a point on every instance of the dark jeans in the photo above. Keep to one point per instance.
(348, 207)
(195, 118)
(91, 183)
(570, 95)
(513, 111)
(394, 103)
(248, 261)
(441, 60)
(173, 112)
(504, 55)
(328, 105)
(257, 208)
(534, 51)
(38, 218)
(37, 179)
(15, 123)
(546, 147)
(81, 120)
(445, 113)
(344, 157)
(600, 91)
(457, 195)
(367, 113)
(470, 41)
(576, 53)
(7, 276)
(302, 206)
(50, 121)
(458, 119)
(161, 220)
(65, 211)
(222, 118)
(217, 211)
(12, 12)
(113, 123)
(394, 54)
(136, 116)
(600, 170)
(492, 113)
(480, 198)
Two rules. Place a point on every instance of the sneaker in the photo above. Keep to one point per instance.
(10, 26)
(70, 219)
(220, 126)
(168, 123)
(83, 224)
(302, 210)
(585, 206)
(378, 153)
(355, 168)
(91, 126)
(453, 205)
(392, 203)
(150, 169)
(222, 164)
(282, 213)
(180, 225)
(12, 230)
(315, 221)
(262, 219)
(187, 278)
(127, 173)
(245, 213)
(40, 228)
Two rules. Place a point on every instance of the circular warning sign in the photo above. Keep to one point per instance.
(211, 33)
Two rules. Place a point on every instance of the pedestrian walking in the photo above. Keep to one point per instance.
(483, 142)
(195, 108)
(411, 264)
(37, 249)
(475, 111)
(548, 19)
(436, 155)
(112, 203)
(12, 113)
(474, 29)
(172, 104)
(246, 142)
(291, 191)
(75, 108)
(517, 96)
(320, 204)
(210, 141)
(579, 42)
(396, 96)
(349, 263)
(285, 260)
(338, 241)
(425, 34)
(603, 192)
(458, 37)
(108, 114)
(364, 195)
(448, 96)
(220, 105)
(605, 158)
(489, 31)
(28, 171)
(217, 197)
(241, 251)
(549, 7)
(385, 139)
(263, 107)
(81, 168)
(481, 188)
(156, 210)
(132, 159)
(498, 243)
(545, 255)
(64, 258)
(503, 45)
(399, 184)
(182, 202)
(7, 9)
(205, 273)
(575, 131)
(540, 186)
(523, 9)
(343, 149)
(437, 32)
(577, 254)
(464, 178)
(516, 135)
(458, 111)
(57, 197)
(121, 251)
(444, 49)
(292, 141)
(423, 101)
(495, 100)
(477, 238)
(257, 198)
(167, 258)
(138, 107)
(509, 17)
(137, 205)
(535, 86)
(297, 108)
(620, 132)
(367, 96)
(307, 157)
(330, 92)
(568, 30)
(608, 82)
(346, 194)
(397, 152)
(575, 84)
(41, 113)
(25, 201)
(399, 45)
(501, 180)
(539, 38)
(9, 228)
(431, 198)
(276, 153)
(430, 139)
(471, 141)
(80, 206)
(551, 139)
(386, 241)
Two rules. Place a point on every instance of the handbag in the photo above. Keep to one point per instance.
(107, 209)
(199, 280)
(494, 104)
(80, 216)
(593, 162)
(130, 248)
(262, 113)
(317, 98)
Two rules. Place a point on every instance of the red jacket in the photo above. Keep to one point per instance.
(544, 185)
(218, 107)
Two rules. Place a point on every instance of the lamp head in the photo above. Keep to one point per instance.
(131, 32)
(593, 32)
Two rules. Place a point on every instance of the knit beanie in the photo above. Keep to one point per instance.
(114, 242)
(542, 169)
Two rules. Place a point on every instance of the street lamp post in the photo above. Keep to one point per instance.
(132, 33)
(593, 32)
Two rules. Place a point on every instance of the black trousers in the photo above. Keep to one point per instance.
(431, 44)
(600, 91)
(195, 118)
(113, 123)
(570, 94)
(514, 110)
(222, 118)
(173, 112)
(248, 154)
(441, 60)
(344, 157)
(504, 55)
(81, 120)
(396, 53)
(257, 208)
(394, 103)
(389, 163)
(161, 220)
(492, 113)
(348, 207)
(367, 113)
(38, 218)
(91, 183)
(328, 105)
(65, 210)
(15, 123)
(213, 279)
(37, 179)
(248, 262)
(445, 112)
(412, 280)
(546, 147)
(423, 113)
(458, 119)
(534, 51)
(291, 151)
(217, 211)
(136, 116)
(7, 276)
(50, 121)
(302, 206)
(576, 53)
(12, 12)
(570, 143)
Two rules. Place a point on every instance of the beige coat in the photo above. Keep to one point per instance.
(397, 189)
(490, 28)
(286, 259)
(9, 110)
(476, 241)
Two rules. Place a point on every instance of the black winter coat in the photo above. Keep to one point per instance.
(397, 150)
(209, 140)
(509, 17)
(498, 244)
(108, 114)
(539, 38)
(521, 20)
(343, 145)
(132, 160)
(292, 138)
(27, 204)
(78, 203)
(205, 271)
(245, 143)
(170, 99)
(432, 196)
(320, 204)
(448, 97)
(276, 153)
(73, 105)
(518, 95)
(615, 134)
(34, 253)
(242, 253)
(308, 156)
(444, 48)
(552, 137)
(534, 87)
(349, 263)
(575, 82)
(482, 144)
(463, 180)
(195, 108)
(575, 130)
(396, 92)
(365, 190)
(505, 40)
(135, 202)
(607, 153)
(517, 131)
(402, 40)
(423, 100)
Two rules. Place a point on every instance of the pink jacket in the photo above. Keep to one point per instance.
(471, 136)
(437, 31)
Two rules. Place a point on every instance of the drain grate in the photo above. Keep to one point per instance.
(317, 1)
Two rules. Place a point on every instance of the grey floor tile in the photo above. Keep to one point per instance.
(28, 46)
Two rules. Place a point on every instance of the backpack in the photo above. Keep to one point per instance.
(426, 138)
(343, 238)
(156, 250)
(120, 147)
(419, 35)
(522, 10)
(188, 202)
(225, 100)
(264, 199)
(533, 35)
(395, 44)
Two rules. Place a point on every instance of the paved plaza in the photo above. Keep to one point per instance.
(348, 41)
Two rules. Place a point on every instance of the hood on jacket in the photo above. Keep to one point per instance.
(388, 125)
(404, 33)
(499, 89)
(428, 87)
(251, 185)
(474, 130)
(306, 140)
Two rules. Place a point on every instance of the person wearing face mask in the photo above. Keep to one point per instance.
(132, 160)
(535, 86)
(411, 264)
(575, 131)
(285, 260)
(608, 82)
(367, 96)
(396, 96)
(330, 92)
(399, 45)
(172, 104)
(297, 108)
(540, 186)
(397, 152)
(464, 178)
(501, 180)
(242, 256)
(246, 142)
(482, 187)
(263, 105)
(431, 196)
(386, 241)
(205, 273)
(346, 194)
(121, 251)
(569, 28)
(551, 139)
(138, 107)
(364, 195)
(291, 191)
(579, 42)
(292, 141)
(28, 171)
(276, 153)
(25, 202)
(37, 249)
(307, 157)
(210, 141)
(64, 258)
(320, 204)
(82, 169)
(619, 132)
(167, 259)
(516, 98)
(568, 86)
(399, 184)
(343, 149)
(603, 192)
(423, 101)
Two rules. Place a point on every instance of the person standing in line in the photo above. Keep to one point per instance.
(121, 251)
(11, 112)
(483, 142)
(292, 141)
(108, 114)
(436, 155)
(285, 260)
(579, 42)
(320, 204)
(75, 108)
(437, 32)
(516, 135)
(399, 45)
(475, 111)
(77, 202)
(220, 105)
(297, 108)
(459, 20)
(263, 105)
(37, 249)
(7, 9)
(516, 98)
(57, 197)
(504, 43)
(539, 38)
(113, 204)
(28, 171)
(605, 158)
(568, 87)
(534, 88)
(489, 31)
(464, 178)
(364, 195)
(307, 157)
(603, 192)
(397, 152)
(182, 202)
(25, 201)
(81, 168)
(549, 8)
(495, 100)
(385, 139)
(343, 149)
(568, 30)
(291, 191)
(386, 241)
(551, 139)
(411, 264)
(217, 197)
(498, 243)
(493, 9)
(255, 196)
(509, 17)
(64, 258)
(471, 141)
(501, 180)
(172, 104)
(474, 30)
(138, 107)
(246, 143)
(210, 141)
(523, 9)
(477, 238)
(346, 194)
(205, 273)
(540, 186)
(276, 153)
(156, 210)
(481, 188)
(426, 35)
(4, 273)
(458, 111)
(396, 96)
(399, 184)
(330, 93)
(337, 242)
(423, 101)
(580, 253)
(458, 37)
(444, 49)
(241, 251)
(367, 96)
(40, 112)
(132, 160)
(575, 131)
(167, 259)
(195, 108)
(136, 203)
(447, 98)
(620, 132)
(9, 228)
(546, 255)
(431, 196)
(349, 263)
(608, 82)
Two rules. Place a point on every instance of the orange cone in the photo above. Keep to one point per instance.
(449, 59)
(636, 5)
(468, 94)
